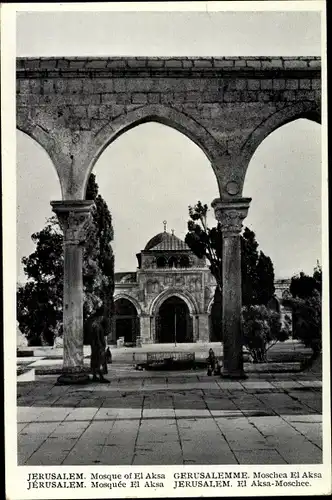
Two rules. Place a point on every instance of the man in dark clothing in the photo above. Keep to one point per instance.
(211, 362)
(96, 334)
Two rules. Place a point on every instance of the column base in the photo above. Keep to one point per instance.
(75, 378)
(236, 375)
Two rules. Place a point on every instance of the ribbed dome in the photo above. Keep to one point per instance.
(165, 241)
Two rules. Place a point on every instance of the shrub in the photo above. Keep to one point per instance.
(307, 321)
(262, 329)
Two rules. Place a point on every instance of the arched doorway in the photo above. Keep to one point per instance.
(126, 321)
(173, 322)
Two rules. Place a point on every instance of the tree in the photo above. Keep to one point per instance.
(302, 286)
(205, 242)
(39, 300)
(306, 304)
(257, 272)
(98, 272)
(262, 329)
(257, 268)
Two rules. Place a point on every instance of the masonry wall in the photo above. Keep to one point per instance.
(77, 101)
(86, 93)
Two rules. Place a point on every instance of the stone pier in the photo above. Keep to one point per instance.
(74, 217)
(230, 216)
(203, 328)
(145, 329)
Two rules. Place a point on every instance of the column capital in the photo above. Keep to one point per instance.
(75, 219)
(230, 214)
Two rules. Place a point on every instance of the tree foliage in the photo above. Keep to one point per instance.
(205, 242)
(303, 286)
(98, 269)
(262, 328)
(40, 299)
(257, 272)
(257, 268)
(306, 304)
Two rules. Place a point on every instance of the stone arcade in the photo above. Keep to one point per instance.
(75, 107)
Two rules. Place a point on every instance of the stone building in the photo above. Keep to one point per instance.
(169, 298)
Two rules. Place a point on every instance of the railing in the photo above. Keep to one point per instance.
(161, 357)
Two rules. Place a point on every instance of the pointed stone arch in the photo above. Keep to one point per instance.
(303, 109)
(45, 140)
(173, 292)
(131, 299)
(158, 113)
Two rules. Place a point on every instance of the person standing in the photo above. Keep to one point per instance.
(211, 360)
(95, 326)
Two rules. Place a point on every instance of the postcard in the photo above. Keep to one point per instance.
(166, 319)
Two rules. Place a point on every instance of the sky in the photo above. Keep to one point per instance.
(153, 172)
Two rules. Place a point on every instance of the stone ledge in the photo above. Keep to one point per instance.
(154, 66)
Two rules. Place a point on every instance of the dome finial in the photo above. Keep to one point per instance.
(165, 225)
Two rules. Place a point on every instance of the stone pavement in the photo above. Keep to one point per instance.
(146, 417)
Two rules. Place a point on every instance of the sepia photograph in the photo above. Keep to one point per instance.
(168, 185)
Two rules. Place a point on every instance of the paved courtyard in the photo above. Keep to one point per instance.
(145, 417)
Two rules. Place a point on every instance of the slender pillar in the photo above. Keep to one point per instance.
(74, 217)
(145, 329)
(230, 215)
(195, 328)
(111, 339)
(153, 328)
(203, 328)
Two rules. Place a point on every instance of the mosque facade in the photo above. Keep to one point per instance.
(170, 297)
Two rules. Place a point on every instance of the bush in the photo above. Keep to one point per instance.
(262, 329)
(307, 321)
(306, 305)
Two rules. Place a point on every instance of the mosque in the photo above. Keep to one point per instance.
(170, 297)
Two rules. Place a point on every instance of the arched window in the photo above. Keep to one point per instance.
(184, 261)
(172, 262)
(161, 261)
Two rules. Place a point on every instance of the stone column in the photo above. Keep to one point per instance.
(203, 328)
(75, 218)
(153, 328)
(195, 327)
(230, 215)
(145, 329)
(111, 339)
